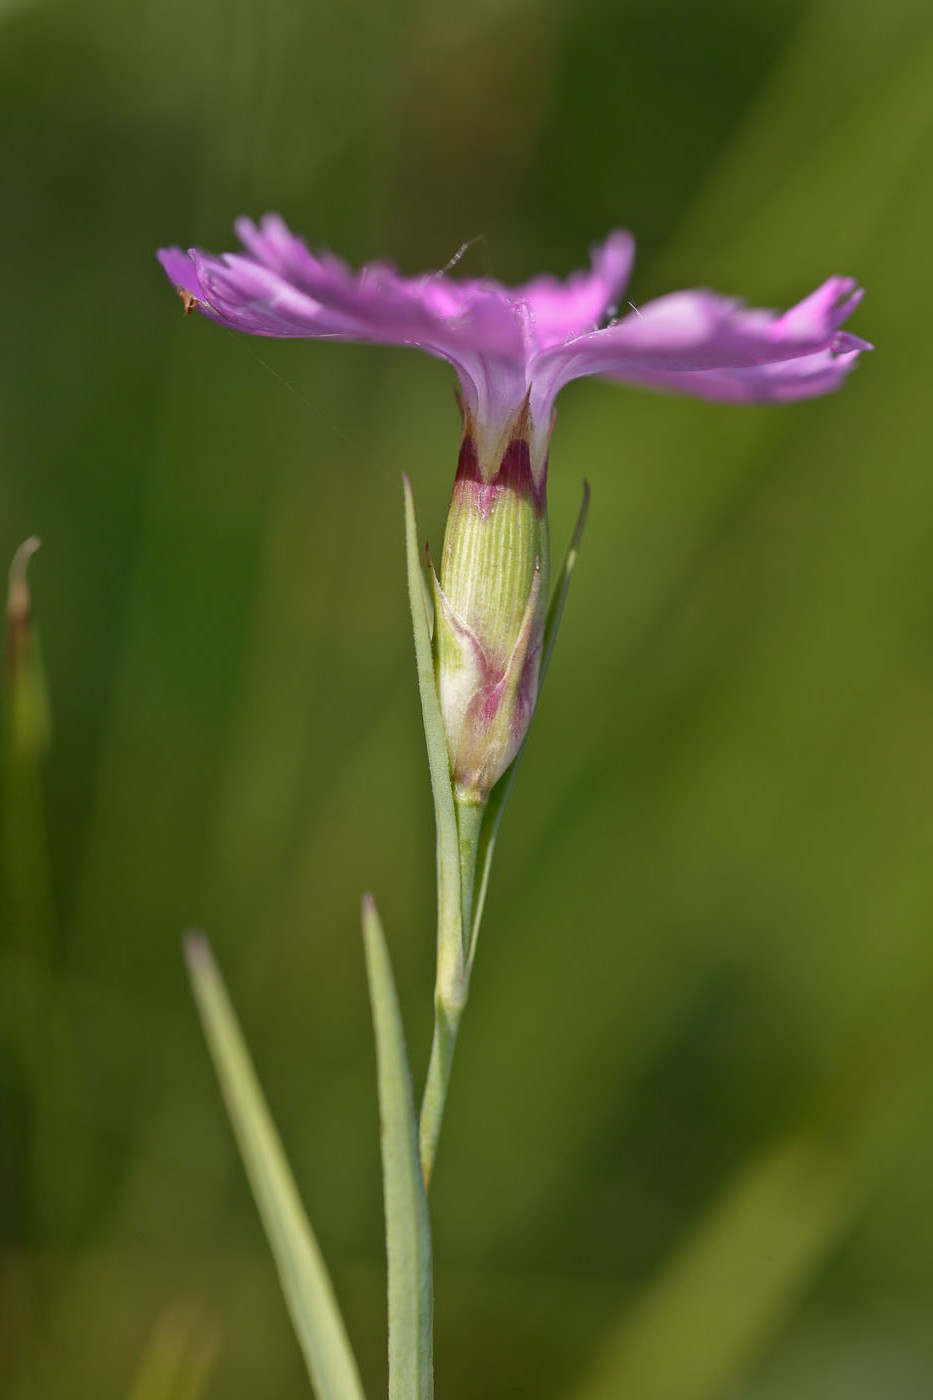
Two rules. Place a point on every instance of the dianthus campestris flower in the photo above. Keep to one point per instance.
(514, 349)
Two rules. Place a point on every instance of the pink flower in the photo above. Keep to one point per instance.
(519, 346)
(513, 350)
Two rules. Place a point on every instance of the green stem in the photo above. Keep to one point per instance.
(435, 1089)
(455, 921)
(461, 882)
(469, 824)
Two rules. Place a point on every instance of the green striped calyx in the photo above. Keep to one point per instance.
(490, 604)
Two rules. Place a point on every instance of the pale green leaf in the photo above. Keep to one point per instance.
(448, 860)
(408, 1233)
(302, 1272)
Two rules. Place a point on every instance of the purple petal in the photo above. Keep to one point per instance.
(378, 303)
(700, 343)
(802, 378)
(247, 296)
(507, 345)
(180, 270)
(560, 310)
(279, 288)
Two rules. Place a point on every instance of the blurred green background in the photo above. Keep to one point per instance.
(689, 1151)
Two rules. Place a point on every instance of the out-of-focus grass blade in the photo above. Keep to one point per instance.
(408, 1232)
(503, 789)
(714, 1311)
(177, 1362)
(733, 1284)
(303, 1274)
(448, 857)
(28, 700)
(25, 856)
(791, 164)
(54, 1154)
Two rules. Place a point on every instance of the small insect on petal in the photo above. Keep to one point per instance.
(188, 300)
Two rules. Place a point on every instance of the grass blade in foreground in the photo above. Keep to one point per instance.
(408, 1233)
(303, 1274)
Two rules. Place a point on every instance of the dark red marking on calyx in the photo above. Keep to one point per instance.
(513, 474)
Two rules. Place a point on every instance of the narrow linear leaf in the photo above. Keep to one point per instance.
(29, 718)
(302, 1272)
(448, 861)
(503, 789)
(26, 740)
(28, 912)
(408, 1232)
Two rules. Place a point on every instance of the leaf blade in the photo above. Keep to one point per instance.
(305, 1282)
(408, 1233)
(448, 860)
